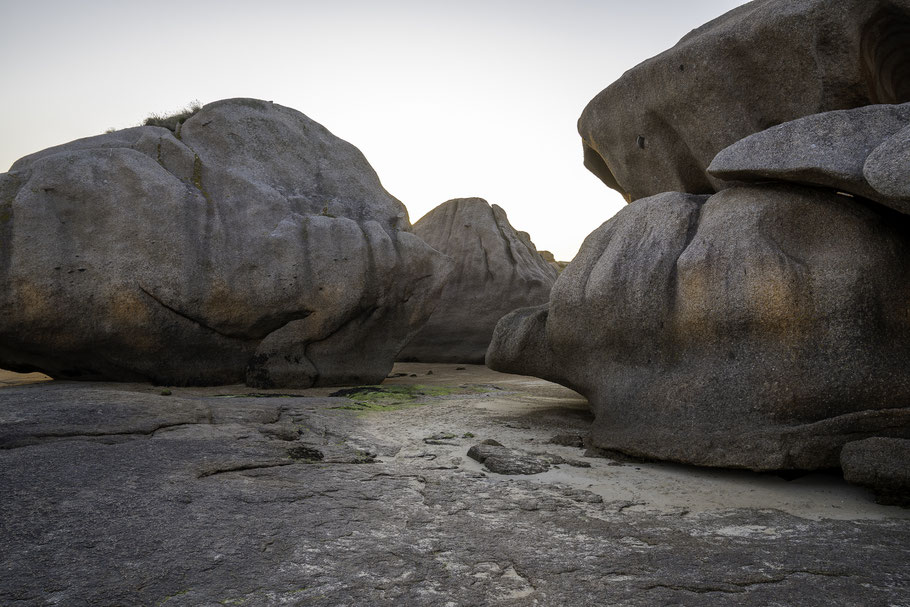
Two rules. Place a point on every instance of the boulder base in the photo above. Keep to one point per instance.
(762, 328)
(880, 464)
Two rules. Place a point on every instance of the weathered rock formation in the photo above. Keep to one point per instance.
(770, 61)
(497, 269)
(862, 151)
(251, 244)
(763, 328)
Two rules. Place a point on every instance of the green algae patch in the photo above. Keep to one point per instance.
(367, 399)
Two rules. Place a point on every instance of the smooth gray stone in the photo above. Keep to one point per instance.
(497, 269)
(502, 460)
(761, 328)
(887, 169)
(658, 127)
(832, 149)
(250, 245)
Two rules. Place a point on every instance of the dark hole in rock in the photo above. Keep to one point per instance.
(885, 52)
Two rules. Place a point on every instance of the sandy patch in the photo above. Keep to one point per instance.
(11, 378)
(523, 412)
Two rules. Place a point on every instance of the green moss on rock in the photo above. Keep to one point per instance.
(391, 398)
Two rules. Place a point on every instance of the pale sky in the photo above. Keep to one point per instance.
(445, 99)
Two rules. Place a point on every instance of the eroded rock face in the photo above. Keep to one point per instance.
(658, 127)
(833, 149)
(254, 245)
(762, 328)
(497, 269)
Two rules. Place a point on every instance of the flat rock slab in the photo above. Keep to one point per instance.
(503, 460)
(225, 504)
(861, 151)
(54, 413)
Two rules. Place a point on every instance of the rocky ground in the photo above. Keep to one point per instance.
(129, 494)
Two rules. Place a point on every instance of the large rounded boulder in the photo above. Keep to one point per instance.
(249, 245)
(763, 327)
(658, 127)
(497, 269)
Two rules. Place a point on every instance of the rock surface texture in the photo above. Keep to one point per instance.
(865, 151)
(497, 269)
(114, 495)
(251, 244)
(502, 460)
(769, 61)
(762, 327)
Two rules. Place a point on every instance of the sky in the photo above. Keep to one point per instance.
(445, 99)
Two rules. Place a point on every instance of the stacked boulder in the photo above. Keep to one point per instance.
(497, 269)
(659, 126)
(863, 151)
(250, 244)
(761, 319)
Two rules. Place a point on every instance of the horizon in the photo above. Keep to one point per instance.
(479, 99)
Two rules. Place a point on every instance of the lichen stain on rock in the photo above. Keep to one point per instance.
(197, 177)
(36, 303)
(128, 316)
